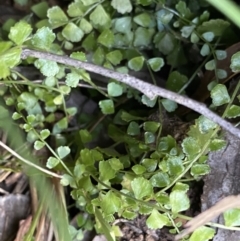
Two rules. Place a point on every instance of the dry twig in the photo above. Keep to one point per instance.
(147, 89)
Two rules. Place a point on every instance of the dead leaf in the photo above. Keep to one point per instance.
(23, 228)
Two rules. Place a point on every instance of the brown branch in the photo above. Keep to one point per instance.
(147, 89)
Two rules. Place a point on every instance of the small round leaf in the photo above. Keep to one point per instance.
(43, 38)
(107, 106)
(40, 9)
(47, 67)
(235, 62)
(85, 26)
(123, 6)
(194, 38)
(141, 187)
(136, 63)
(85, 136)
(106, 38)
(169, 105)
(160, 179)
(148, 102)
(205, 50)
(99, 17)
(63, 151)
(156, 63)
(219, 95)
(115, 57)
(133, 128)
(58, 100)
(221, 73)
(208, 36)
(217, 144)
(149, 137)
(179, 201)
(200, 169)
(210, 65)
(143, 19)
(38, 145)
(57, 17)
(205, 125)
(157, 220)
(150, 164)
(187, 30)
(52, 162)
(221, 54)
(232, 217)
(151, 126)
(202, 234)
(72, 32)
(190, 146)
(114, 89)
(20, 32)
(45, 134)
(72, 79)
(138, 169)
(16, 116)
(233, 111)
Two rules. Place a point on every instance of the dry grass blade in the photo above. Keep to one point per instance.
(208, 215)
(28, 162)
(23, 229)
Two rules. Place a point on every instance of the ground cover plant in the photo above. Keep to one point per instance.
(93, 111)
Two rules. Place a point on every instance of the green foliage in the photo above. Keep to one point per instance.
(220, 95)
(178, 198)
(9, 58)
(202, 234)
(43, 38)
(123, 36)
(107, 106)
(148, 102)
(231, 217)
(235, 62)
(20, 32)
(136, 63)
(115, 89)
(157, 220)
